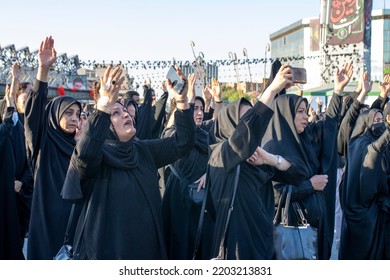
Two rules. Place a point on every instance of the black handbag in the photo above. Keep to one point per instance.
(196, 196)
(293, 242)
(66, 252)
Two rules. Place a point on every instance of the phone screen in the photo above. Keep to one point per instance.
(177, 82)
(299, 75)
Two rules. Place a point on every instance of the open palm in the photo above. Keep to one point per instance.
(47, 55)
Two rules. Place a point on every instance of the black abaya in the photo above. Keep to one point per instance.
(10, 246)
(249, 235)
(124, 221)
(366, 195)
(311, 152)
(49, 150)
(180, 215)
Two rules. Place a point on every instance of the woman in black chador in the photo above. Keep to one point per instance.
(311, 150)
(238, 130)
(23, 180)
(10, 245)
(50, 130)
(366, 195)
(115, 175)
(180, 213)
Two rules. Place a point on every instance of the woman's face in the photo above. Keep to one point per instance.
(198, 112)
(70, 119)
(122, 123)
(301, 118)
(378, 118)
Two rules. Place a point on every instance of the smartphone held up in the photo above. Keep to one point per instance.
(299, 75)
(177, 82)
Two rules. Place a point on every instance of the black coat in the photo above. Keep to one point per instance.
(49, 150)
(311, 152)
(10, 242)
(180, 215)
(366, 194)
(124, 221)
(249, 235)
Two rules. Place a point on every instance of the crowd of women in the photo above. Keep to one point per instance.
(126, 173)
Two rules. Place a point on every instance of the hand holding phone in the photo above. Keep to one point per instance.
(299, 75)
(177, 82)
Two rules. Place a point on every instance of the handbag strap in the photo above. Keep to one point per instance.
(201, 217)
(283, 217)
(278, 216)
(175, 172)
(221, 245)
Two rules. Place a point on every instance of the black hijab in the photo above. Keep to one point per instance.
(54, 110)
(364, 124)
(227, 119)
(282, 138)
(118, 154)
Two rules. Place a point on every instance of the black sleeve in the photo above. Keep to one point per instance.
(334, 107)
(298, 191)
(209, 114)
(145, 117)
(346, 127)
(159, 115)
(347, 102)
(27, 181)
(379, 103)
(7, 124)
(35, 123)
(372, 172)
(88, 151)
(168, 150)
(245, 139)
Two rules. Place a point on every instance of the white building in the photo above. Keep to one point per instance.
(299, 44)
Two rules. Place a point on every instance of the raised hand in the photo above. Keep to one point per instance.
(9, 99)
(15, 73)
(342, 78)
(216, 90)
(180, 97)
(385, 86)
(366, 84)
(47, 54)
(110, 84)
(283, 79)
(164, 86)
(207, 93)
(191, 88)
(16, 70)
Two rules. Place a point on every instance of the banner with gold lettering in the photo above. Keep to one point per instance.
(346, 22)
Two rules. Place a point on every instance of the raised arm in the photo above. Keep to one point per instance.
(35, 117)
(170, 149)
(349, 119)
(88, 152)
(7, 124)
(383, 97)
(217, 97)
(252, 126)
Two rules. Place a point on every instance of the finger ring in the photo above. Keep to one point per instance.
(113, 82)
